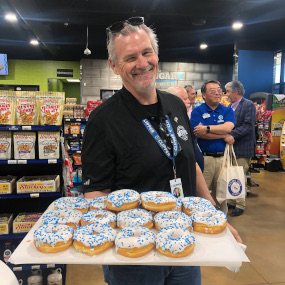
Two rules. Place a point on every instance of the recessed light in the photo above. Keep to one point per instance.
(237, 25)
(34, 42)
(203, 46)
(11, 17)
(73, 80)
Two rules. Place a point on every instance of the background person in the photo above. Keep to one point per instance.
(190, 89)
(243, 134)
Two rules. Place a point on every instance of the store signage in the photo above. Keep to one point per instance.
(64, 72)
(167, 79)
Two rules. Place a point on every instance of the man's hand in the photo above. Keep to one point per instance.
(229, 139)
(235, 233)
(200, 131)
(95, 194)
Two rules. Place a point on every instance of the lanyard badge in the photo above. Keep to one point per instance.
(173, 183)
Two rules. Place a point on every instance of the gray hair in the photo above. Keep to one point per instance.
(236, 86)
(128, 29)
(188, 87)
(204, 86)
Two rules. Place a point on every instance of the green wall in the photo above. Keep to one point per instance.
(37, 72)
(72, 90)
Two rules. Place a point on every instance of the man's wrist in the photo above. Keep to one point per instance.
(208, 129)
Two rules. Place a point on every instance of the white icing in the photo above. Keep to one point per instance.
(178, 205)
(71, 202)
(120, 197)
(132, 237)
(173, 218)
(100, 216)
(195, 204)
(174, 239)
(99, 203)
(210, 218)
(52, 234)
(86, 234)
(133, 217)
(63, 217)
(158, 197)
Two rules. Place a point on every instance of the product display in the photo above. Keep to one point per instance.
(7, 107)
(25, 221)
(5, 223)
(24, 145)
(74, 203)
(99, 216)
(94, 238)
(7, 184)
(48, 143)
(5, 145)
(194, 204)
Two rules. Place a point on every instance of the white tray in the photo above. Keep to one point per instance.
(210, 250)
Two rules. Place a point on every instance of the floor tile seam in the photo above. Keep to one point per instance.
(267, 282)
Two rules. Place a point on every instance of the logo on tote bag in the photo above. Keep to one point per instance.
(235, 187)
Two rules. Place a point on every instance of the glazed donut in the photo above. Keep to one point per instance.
(98, 203)
(171, 219)
(194, 204)
(134, 217)
(74, 203)
(158, 201)
(122, 200)
(134, 242)
(209, 222)
(53, 238)
(100, 216)
(94, 238)
(175, 242)
(67, 217)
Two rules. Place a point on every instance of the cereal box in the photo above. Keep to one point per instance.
(24, 145)
(48, 145)
(7, 108)
(5, 145)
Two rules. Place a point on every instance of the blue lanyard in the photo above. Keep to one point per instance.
(161, 143)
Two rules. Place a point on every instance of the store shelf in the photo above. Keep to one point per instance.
(74, 151)
(31, 161)
(76, 120)
(12, 236)
(29, 128)
(76, 166)
(30, 267)
(73, 135)
(30, 195)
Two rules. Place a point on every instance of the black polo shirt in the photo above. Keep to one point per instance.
(118, 151)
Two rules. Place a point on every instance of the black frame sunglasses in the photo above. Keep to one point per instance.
(118, 26)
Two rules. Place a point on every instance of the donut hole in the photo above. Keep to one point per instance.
(174, 235)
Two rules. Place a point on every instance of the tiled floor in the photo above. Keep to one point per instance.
(262, 228)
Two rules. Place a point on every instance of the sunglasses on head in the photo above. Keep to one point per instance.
(118, 26)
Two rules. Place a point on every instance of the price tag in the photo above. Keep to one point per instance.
(74, 135)
(26, 128)
(22, 161)
(78, 151)
(17, 268)
(13, 128)
(50, 265)
(52, 161)
(12, 161)
(67, 120)
(78, 120)
(35, 195)
(36, 267)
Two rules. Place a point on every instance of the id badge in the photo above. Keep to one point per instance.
(176, 188)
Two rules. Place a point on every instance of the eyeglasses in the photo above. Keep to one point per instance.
(118, 26)
(214, 91)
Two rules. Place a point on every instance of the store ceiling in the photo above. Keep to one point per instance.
(181, 26)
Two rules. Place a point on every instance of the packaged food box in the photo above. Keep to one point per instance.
(7, 184)
(5, 145)
(24, 145)
(5, 223)
(48, 143)
(34, 184)
(24, 222)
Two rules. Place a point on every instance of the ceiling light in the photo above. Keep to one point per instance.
(34, 42)
(11, 17)
(237, 25)
(203, 46)
(73, 80)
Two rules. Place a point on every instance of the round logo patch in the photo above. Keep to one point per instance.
(182, 133)
(220, 117)
(235, 187)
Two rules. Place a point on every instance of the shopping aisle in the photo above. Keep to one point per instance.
(261, 228)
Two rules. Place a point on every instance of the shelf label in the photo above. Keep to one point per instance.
(78, 120)
(35, 267)
(26, 128)
(22, 161)
(78, 151)
(19, 268)
(67, 120)
(50, 265)
(52, 161)
(74, 135)
(12, 161)
(35, 195)
(13, 128)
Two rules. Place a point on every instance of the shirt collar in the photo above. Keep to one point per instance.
(209, 109)
(235, 104)
(137, 109)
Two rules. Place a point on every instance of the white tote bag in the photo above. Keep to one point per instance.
(230, 184)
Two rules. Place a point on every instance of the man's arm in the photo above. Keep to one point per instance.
(203, 191)
(95, 194)
(216, 131)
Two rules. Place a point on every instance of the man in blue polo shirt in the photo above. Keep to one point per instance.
(212, 122)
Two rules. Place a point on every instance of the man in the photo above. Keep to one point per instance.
(243, 134)
(182, 94)
(190, 89)
(120, 152)
(212, 122)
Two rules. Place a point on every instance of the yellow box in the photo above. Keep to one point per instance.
(24, 222)
(5, 223)
(35, 184)
(7, 184)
